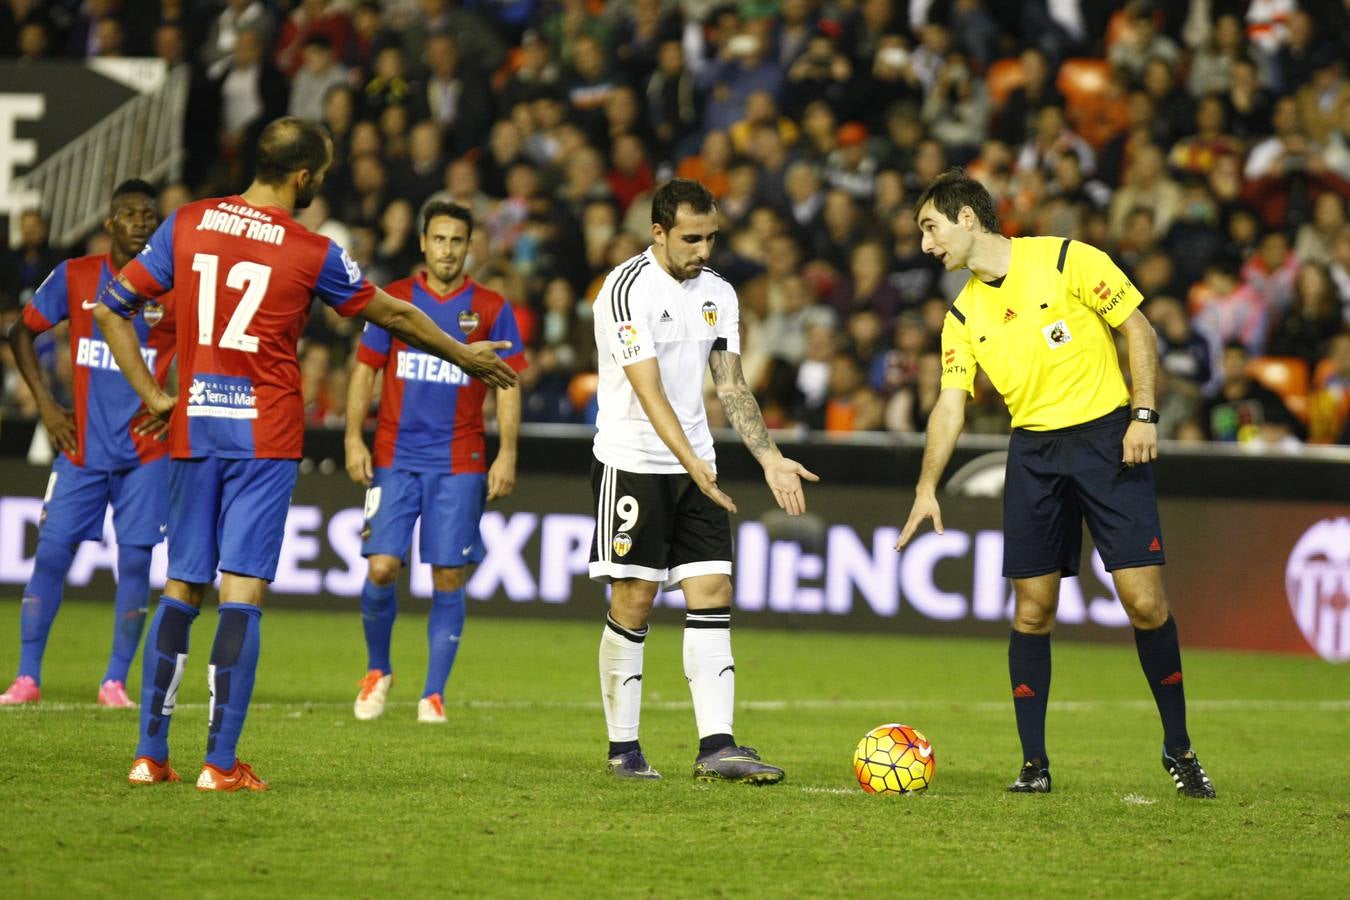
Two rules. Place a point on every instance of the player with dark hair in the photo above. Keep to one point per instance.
(661, 519)
(246, 272)
(430, 456)
(102, 461)
(1037, 316)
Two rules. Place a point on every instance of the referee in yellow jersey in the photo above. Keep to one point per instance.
(1037, 318)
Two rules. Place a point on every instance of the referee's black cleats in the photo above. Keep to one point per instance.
(1033, 779)
(632, 765)
(740, 764)
(1188, 774)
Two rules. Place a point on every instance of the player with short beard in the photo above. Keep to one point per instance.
(430, 458)
(246, 274)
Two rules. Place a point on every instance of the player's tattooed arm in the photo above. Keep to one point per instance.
(738, 401)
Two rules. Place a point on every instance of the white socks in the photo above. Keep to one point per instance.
(710, 668)
(621, 679)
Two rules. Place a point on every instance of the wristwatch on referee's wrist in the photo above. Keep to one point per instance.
(1144, 414)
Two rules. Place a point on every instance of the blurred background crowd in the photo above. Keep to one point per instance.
(1205, 145)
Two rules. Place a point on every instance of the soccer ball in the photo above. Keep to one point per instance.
(894, 759)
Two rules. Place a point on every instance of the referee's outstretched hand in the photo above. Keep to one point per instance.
(706, 478)
(785, 480)
(925, 507)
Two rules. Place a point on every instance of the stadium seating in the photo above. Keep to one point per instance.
(1286, 376)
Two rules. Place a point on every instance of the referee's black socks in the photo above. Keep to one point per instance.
(1160, 656)
(1029, 671)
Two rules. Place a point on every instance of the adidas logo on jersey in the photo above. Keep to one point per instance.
(665, 316)
(1009, 316)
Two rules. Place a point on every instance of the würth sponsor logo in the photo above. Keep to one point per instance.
(1101, 290)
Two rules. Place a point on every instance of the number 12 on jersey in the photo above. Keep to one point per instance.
(249, 277)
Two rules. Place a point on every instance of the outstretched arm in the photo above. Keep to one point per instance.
(415, 328)
(738, 402)
(944, 427)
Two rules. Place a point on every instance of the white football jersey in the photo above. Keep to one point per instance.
(642, 312)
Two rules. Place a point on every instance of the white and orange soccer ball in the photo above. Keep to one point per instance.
(894, 759)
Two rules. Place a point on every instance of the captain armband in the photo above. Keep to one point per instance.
(122, 299)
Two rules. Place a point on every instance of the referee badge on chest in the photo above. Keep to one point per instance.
(622, 543)
(710, 313)
(468, 321)
(1057, 334)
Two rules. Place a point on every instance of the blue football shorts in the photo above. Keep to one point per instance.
(227, 515)
(77, 499)
(449, 506)
(1057, 480)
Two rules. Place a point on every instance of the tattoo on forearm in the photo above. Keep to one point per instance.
(738, 402)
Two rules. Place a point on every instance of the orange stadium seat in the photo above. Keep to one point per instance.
(1286, 376)
(1004, 77)
(582, 388)
(1083, 80)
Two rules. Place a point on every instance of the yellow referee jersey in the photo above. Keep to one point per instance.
(1043, 333)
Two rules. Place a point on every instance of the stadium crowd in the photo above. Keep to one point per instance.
(1205, 145)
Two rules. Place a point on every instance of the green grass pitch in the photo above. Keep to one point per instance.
(511, 799)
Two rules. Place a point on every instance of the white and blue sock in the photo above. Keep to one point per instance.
(133, 590)
(445, 625)
(234, 663)
(41, 600)
(162, 664)
(379, 607)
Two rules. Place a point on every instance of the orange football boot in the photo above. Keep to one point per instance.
(240, 778)
(145, 770)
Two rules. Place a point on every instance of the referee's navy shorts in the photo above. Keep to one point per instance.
(1058, 479)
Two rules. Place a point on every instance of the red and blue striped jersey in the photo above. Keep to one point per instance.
(431, 412)
(104, 402)
(243, 280)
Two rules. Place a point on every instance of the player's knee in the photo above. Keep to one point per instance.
(54, 556)
(444, 578)
(1033, 618)
(1146, 611)
(383, 570)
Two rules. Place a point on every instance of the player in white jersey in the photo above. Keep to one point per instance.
(661, 519)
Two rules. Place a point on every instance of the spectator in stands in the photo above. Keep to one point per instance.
(671, 99)
(1310, 322)
(237, 16)
(956, 111)
(1271, 272)
(1053, 136)
(389, 84)
(319, 71)
(454, 95)
(638, 37)
(572, 21)
(311, 18)
(1140, 43)
(1242, 405)
(743, 67)
(850, 167)
(249, 93)
(1297, 53)
(1198, 153)
(710, 166)
(1196, 235)
(418, 176)
(1340, 269)
(850, 405)
(822, 73)
(1146, 184)
(1173, 107)
(25, 266)
(1211, 70)
(537, 70)
(1228, 309)
(1249, 103)
(1329, 401)
(1016, 119)
(865, 286)
(1185, 350)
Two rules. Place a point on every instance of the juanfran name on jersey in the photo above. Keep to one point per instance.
(96, 354)
(242, 221)
(222, 397)
(412, 365)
